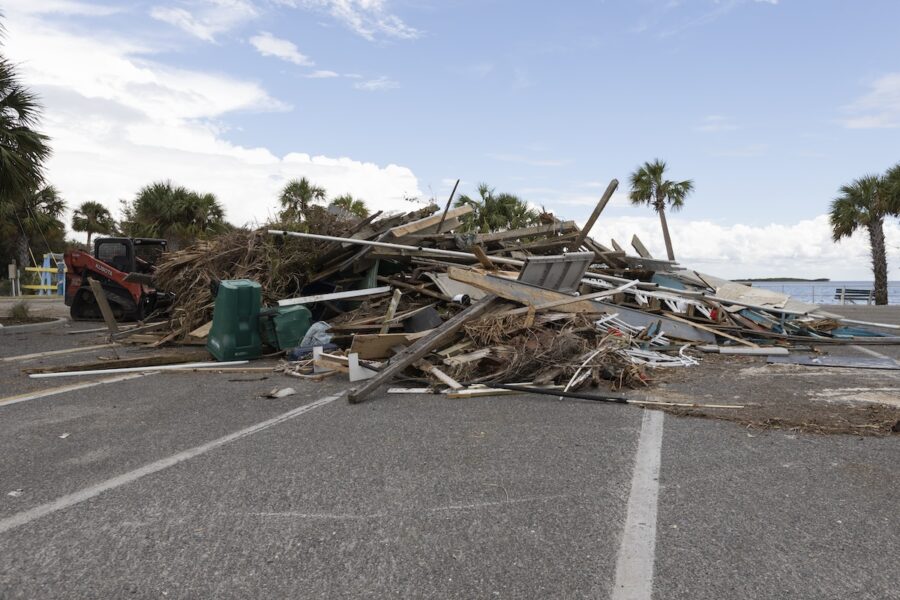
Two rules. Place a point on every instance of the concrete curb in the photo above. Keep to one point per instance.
(33, 327)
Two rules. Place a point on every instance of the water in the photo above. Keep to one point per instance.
(822, 292)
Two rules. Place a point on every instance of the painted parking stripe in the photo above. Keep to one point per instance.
(87, 493)
(56, 352)
(637, 553)
(66, 388)
(870, 352)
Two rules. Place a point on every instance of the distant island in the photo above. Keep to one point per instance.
(782, 279)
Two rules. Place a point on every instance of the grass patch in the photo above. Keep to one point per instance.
(20, 311)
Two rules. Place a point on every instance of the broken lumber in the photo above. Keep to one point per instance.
(371, 346)
(433, 220)
(336, 296)
(103, 304)
(420, 348)
(139, 361)
(524, 293)
(170, 367)
(604, 200)
(392, 309)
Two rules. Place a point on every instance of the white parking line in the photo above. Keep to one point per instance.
(87, 493)
(65, 388)
(637, 553)
(865, 350)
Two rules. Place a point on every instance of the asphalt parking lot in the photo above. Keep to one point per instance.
(193, 486)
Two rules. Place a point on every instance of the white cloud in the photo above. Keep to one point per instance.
(716, 124)
(269, 45)
(367, 18)
(118, 122)
(377, 85)
(323, 75)
(802, 249)
(206, 18)
(880, 107)
(62, 7)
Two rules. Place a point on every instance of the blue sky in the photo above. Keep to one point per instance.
(768, 106)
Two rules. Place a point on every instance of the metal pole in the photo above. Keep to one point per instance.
(434, 251)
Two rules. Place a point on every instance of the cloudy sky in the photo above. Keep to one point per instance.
(768, 105)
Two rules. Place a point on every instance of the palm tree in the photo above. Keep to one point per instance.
(22, 149)
(649, 187)
(92, 217)
(296, 198)
(351, 205)
(172, 212)
(495, 212)
(865, 203)
(35, 217)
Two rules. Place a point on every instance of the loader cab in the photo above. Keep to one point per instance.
(129, 255)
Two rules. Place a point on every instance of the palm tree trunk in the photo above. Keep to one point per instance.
(879, 260)
(665, 228)
(89, 240)
(22, 251)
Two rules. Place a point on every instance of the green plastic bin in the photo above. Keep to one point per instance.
(235, 330)
(283, 327)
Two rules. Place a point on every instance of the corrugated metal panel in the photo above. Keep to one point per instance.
(561, 272)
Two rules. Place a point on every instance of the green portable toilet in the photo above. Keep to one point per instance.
(282, 327)
(235, 330)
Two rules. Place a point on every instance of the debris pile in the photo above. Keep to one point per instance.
(418, 297)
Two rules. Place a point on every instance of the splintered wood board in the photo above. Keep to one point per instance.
(378, 345)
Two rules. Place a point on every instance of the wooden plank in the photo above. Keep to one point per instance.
(562, 227)
(479, 392)
(420, 348)
(335, 296)
(447, 208)
(376, 346)
(420, 289)
(524, 293)
(483, 258)
(392, 308)
(427, 367)
(761, 351)
(122, 333)
(604, 200)
(138, 361)
(455, 348)
(639, 247)
(202, 331)
(103, 303)
(433, 220)
(617, 247)
(564, 301)
(461, 359)
(718, 332)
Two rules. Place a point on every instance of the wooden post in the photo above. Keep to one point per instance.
(446, 208)
(392, 309)
(103, 303)
(419, 349)
(604, 200)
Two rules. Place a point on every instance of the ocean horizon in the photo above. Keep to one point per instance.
(823, 292)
